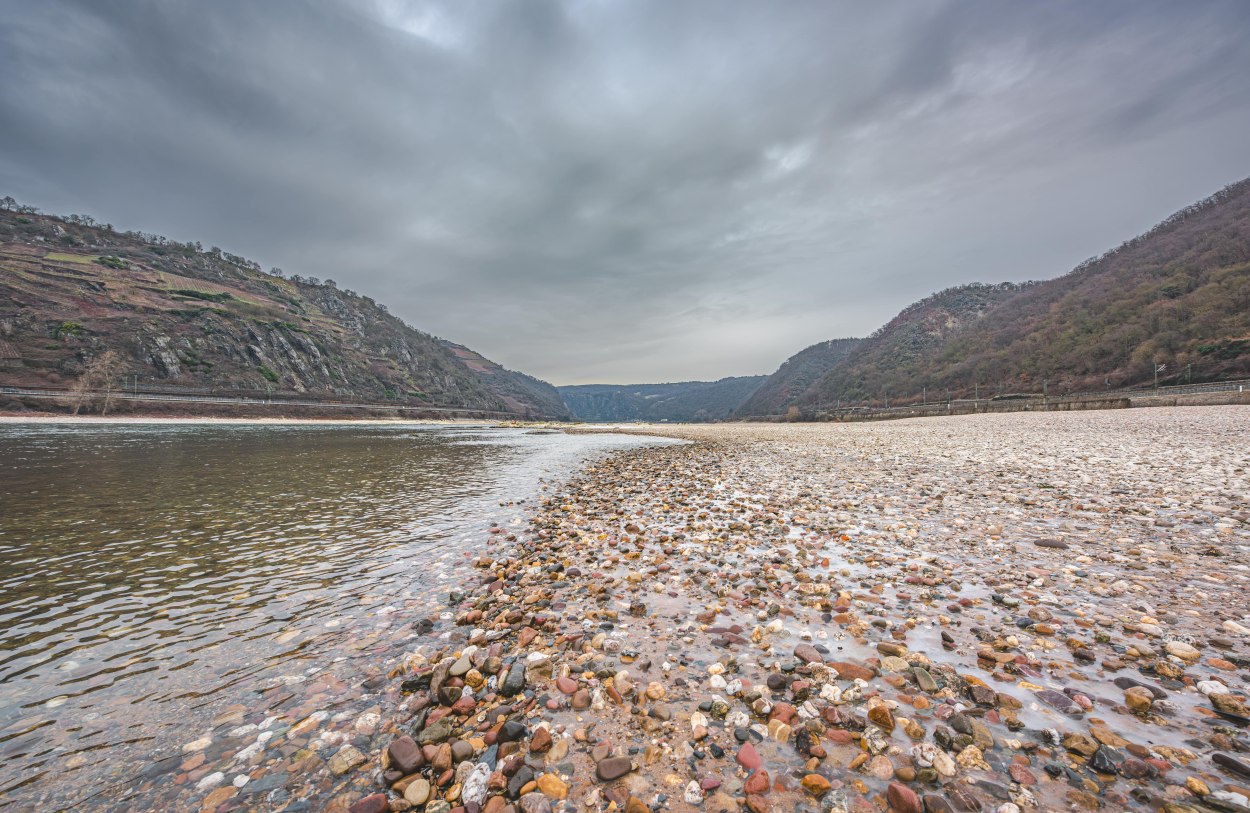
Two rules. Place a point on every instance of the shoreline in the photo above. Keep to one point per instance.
(721, 625)
(49, 418)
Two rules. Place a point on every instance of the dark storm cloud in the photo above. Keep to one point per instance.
(629, 191)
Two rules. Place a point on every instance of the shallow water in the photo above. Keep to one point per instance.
(154, 578)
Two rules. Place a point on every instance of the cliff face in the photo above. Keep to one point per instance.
(181, 316)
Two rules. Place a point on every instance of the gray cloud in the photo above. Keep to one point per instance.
(629, 191)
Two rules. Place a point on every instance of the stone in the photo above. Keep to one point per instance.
(405, 755)
(541, 741)
(749, 758)
(514, 682)
(553, 787)
(903, 799)
(1138, 699)
(535, 803)
(1182, 650)
(611, 768)
(418, 791)
(815, 784)
(373, 803)
(347, 758)
(808, 654)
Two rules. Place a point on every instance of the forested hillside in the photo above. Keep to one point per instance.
(680, 401)
(179, 315)
(1175, 299)
(795, 375)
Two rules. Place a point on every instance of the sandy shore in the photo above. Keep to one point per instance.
(1003, 612)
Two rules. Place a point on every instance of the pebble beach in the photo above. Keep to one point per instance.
(1014, 612)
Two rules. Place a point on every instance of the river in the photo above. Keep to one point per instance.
(163, 585)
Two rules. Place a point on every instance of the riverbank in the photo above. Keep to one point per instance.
(209, 420)
(982, 612)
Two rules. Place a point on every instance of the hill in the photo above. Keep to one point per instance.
(1176, 297)
(182, 316)
(894, 359)
(680, 401)
(795, 376)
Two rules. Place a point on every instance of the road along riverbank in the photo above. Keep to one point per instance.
(997, 612)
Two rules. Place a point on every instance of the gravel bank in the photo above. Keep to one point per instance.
(997, 612)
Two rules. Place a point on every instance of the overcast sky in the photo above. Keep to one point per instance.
(617, 191)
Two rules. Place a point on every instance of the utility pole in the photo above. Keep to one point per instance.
(1189, 373)
(976, 391)
(925, 397)
(1044, 382)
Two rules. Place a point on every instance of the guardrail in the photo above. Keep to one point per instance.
(129, 395)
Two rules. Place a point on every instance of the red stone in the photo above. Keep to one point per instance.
(749, 758)
(373, 803)
(757, 782)
(903, 799)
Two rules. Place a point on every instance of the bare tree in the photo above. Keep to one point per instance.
(100, 376)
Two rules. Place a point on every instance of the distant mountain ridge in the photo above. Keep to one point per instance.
(179, 315)
(1175, 299)
(678, 401)
(795, 375)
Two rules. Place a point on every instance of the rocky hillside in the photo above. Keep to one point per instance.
(1177, 296)
(892, 360)
(181, 316)
(681, 401)
(795, 376)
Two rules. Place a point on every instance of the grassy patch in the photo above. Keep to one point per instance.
(269, 374)
(220, 296)
(60, 257)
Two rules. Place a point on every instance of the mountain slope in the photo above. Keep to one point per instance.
(894, 359)
(680, 401)
(1177, 296)
(794, 376)
(181, 316)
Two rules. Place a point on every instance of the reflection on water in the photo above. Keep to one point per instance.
(153, 575)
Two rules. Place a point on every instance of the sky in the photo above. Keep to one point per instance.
(628, 191)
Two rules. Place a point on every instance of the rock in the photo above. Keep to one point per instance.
(553, 787)
(808, 654)
(749, 758)
(1182, 650)
(815, 784)
(475, 785)
(1138, 699)
(535, 803)
(514, 682)
(439, 732)
(903, 799)
(541, 741)
(405, 755)
(345, 759)
(1231, 764)
(851, 671)
(210, 781)
(417, 792)
(611, 768)
(373, 803)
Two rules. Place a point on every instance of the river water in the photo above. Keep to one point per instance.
(163, 584)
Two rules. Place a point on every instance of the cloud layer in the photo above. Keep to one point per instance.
(608, 191)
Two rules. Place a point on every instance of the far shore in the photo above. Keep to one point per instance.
(45, 417)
